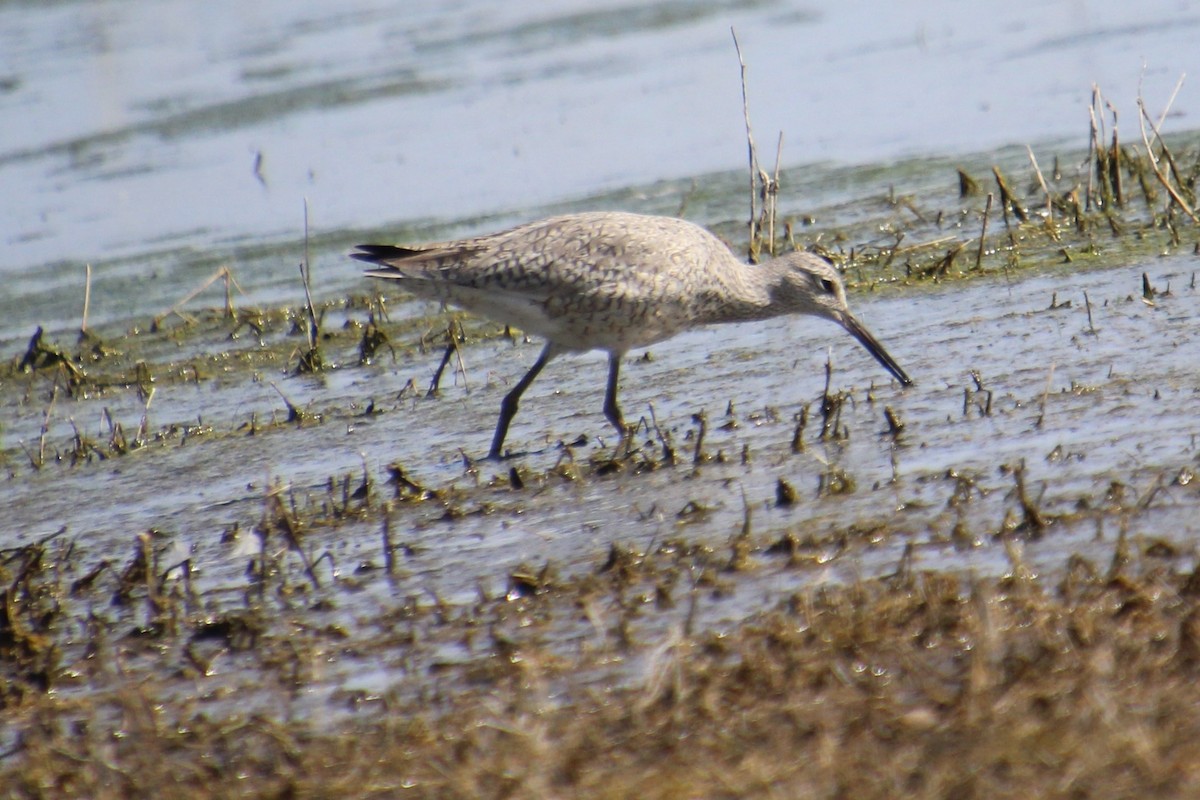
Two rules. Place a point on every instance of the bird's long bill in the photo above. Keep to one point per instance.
(864, 336)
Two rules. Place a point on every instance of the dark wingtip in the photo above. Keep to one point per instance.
(379, 253)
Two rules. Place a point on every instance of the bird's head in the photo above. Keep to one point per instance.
(808, 284)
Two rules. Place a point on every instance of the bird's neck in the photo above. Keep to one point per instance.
(744, 292)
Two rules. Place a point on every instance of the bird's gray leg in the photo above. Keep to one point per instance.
(611, 409)
(512, 400)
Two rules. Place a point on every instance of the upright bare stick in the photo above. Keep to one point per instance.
(1042, 180)
(752, 150)
(313, 330)
(87, 296)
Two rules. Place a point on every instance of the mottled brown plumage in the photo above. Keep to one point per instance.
(613, 281)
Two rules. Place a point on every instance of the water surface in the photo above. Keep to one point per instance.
(158, 140)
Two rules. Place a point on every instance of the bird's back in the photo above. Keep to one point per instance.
(601, 280)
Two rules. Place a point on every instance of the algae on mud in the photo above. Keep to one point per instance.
(919, 682)
(985, 587)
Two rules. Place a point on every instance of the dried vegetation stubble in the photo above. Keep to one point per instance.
(132, 674)
(920, 683)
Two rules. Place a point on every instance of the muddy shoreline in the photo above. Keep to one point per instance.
(235, 576)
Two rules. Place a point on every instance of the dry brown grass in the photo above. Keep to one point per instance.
(920, 686)
(116, 682)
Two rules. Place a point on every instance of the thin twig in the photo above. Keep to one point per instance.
(1114, 161)
(229, 284)
(144, 426)
(294, 412)
(223, 272)
(1042, 180)
(1094, 145)
(462, 365)
(1008, 200)
(46, 427)
(772, 190)
(1045, 396)
(389, 553)
(1170, 100)
(987, 211)
(313, 330)
(752, 150)
(87, 296)
(1158, 173)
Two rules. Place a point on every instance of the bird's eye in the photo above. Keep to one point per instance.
(827, 285)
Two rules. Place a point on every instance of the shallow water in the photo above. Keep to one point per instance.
(1101, 413)
(141, 123)
(1081, 409)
